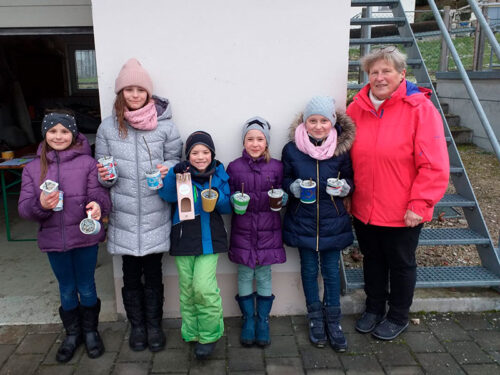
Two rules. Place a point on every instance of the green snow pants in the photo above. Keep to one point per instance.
(201, 304)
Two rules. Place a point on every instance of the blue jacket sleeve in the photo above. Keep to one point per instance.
(169, 190)
(223, 205)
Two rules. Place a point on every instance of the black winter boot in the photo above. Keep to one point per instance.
(153, 298)
(247, 307)
(90, 321)
(334, 329)
(133, 301)
(264, 304)
(73, 339)
(317, 334)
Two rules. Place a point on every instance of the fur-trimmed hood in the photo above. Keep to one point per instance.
(344, 140)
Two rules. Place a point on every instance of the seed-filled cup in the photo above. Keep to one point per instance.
(275, 199)
(240, 203)
(154, 180)
(334, 186)
(89, 225)
(108, 162)
(308, 191)
(50, 186)
(209, 199)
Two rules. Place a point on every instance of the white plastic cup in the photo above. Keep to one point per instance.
(60, 203)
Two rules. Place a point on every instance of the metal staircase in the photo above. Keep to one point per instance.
(486, 275)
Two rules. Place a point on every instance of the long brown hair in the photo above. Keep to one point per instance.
(44, 162)
(120, 107)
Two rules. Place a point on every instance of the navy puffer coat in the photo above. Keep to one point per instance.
(325, 224)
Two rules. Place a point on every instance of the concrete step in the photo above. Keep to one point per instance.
(453, 120)
(461, 134)
(445, 107)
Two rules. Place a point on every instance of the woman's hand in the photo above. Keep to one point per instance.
(48, 202)
(412, 219)
(163, 169)
(95, 210)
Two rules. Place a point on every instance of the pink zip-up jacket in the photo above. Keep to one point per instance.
(399, 156)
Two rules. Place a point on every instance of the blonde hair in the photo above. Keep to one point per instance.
(390, 54)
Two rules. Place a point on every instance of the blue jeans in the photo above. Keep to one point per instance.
(74, 270)
(263, 278)
(309, 267)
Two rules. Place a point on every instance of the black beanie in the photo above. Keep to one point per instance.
(200, 138)
(52, 119)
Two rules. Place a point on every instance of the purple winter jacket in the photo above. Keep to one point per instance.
(76, 172)
(256, 235)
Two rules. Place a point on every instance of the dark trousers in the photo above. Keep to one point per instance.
(309, 268)
(134, 268)
(74, 270)
(389, 267)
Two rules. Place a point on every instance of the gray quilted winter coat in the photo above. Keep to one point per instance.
(140, 221)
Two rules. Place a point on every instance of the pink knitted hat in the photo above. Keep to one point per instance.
(133, 74)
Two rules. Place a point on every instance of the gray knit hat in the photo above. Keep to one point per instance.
(257, 123)
(321, 105)
(52, 119)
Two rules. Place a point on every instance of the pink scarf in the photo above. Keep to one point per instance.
(323, 152)
(143, 118)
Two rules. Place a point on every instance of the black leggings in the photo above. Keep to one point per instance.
(135, 267)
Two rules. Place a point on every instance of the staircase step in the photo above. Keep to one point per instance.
(455, 200)
(455, 169)
(410, 62)
(462, 135)
(407, 41)
(452, 120)
(378, 21)
(445, 107)
(437, 277)
(372, 3)
(445, 213)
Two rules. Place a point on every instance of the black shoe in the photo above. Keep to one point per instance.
(153, 307)
(368, 322)
(334, 329)
(138, 340)
(133, 301)
(317, 330)
(90, 321)
(388, 330)
(203, 351)
(73, 339)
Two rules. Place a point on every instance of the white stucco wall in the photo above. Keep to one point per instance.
(45, 13)
(221, 62)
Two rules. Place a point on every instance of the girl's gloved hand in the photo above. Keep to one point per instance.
(295, 188)
(284, 199)
(345, 189)
(181, 167)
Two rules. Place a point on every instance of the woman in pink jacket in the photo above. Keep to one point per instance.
(401, 171)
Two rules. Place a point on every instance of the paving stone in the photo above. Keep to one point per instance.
(45, 328)
(52, 370)
(220, 349)
(254, 372)
(172, 323)
(494, 319)
(299, 320)
(284, 366)
(245, 359)
(357, 343)
(422, 327)
(439, 364)
(171, 360)
(361, 364)
(487, 340)
(36, 343)
(12, 334)
(484, 369)
(313, 357)
(96, 366)
(281, 346)
(131, 369)
(174, 339)
(128, 355)
(495, 356)
(233, 337)
(393, 354)
(378, 346)
(211, 366)
(348, 323)
(325, 371)
(404, 370)
(470, 321)
(21, 364)
(5, 352)
(280, 326)
(50, 358)
(448, 330)
(302, 335)
(423, 342)
(234, 321)
(112, 334)
(467, 352)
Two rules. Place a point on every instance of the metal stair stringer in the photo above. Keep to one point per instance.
(488, 274)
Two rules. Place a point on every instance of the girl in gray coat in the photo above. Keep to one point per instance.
(139, 224)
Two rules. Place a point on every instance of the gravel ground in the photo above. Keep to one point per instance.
(483, 170)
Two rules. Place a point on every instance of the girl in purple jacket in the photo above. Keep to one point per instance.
(255, 235)
(64, 157)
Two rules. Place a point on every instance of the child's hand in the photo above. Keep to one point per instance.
(95, 210)
(103, 171)
(163, 170)
(48, 202)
